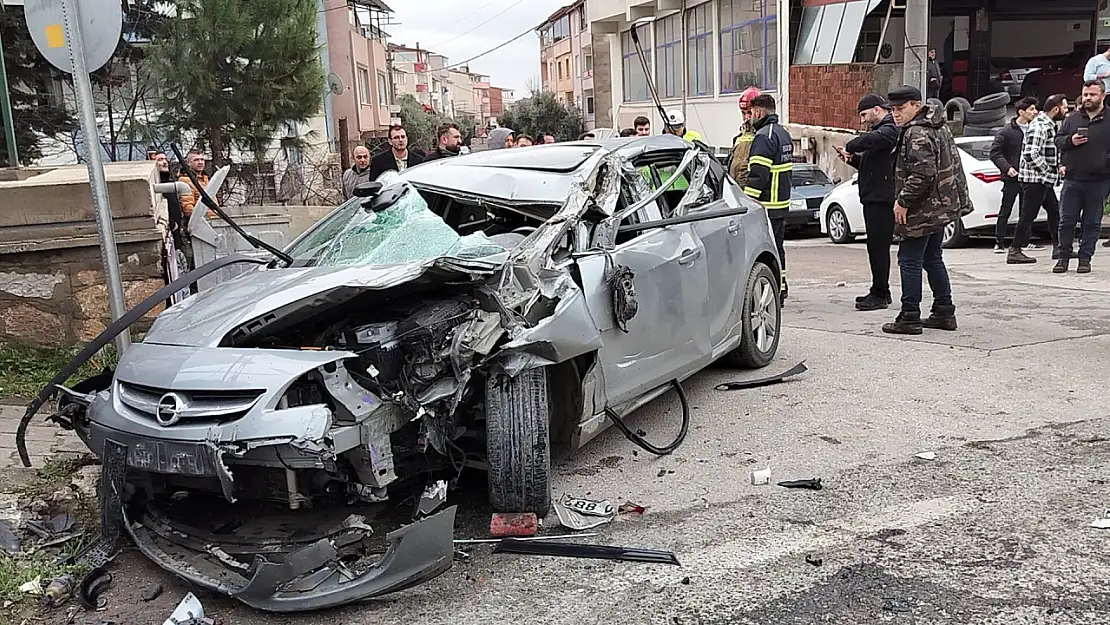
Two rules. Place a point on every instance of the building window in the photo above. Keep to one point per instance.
(589, 63)
(749, 45)
(560, 70)
(831, 33)
(699, 60)
(588, 95)
(635, 81)
(577, 65)
(383, 90)
(668, 56)
(364, 86)
(560, 29)
(583, 23)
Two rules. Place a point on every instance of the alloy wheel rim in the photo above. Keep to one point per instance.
(949, 231)
(837, 225)
(764, 314)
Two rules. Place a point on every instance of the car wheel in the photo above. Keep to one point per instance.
(954, 235)
(840, 231)
(518, 442)
(760, 323)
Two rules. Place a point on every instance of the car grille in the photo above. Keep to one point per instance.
(187, 405)
(814, 202)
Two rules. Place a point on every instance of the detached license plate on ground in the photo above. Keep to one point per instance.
(174, 458)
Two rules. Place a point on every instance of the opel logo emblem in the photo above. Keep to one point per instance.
(169, 409)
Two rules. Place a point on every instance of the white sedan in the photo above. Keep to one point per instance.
(842, 214)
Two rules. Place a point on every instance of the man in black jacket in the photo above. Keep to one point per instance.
(398, 157)
(872, 154)
(1006, 156)
(1084, 143)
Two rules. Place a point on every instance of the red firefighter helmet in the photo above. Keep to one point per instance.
(747, 96)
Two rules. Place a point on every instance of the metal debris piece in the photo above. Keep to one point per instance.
(762, 477)
(92, 586)
(631, 508)
(53, 527)
(58, 591)
(435, 495)
(814, 560)
(623, 288)
(740, 385)
(1101, 524)
(188, 611)
(575, 550)
(583, 514)
(33, 587)
(513, 524)
(811, 484)
(926, 455)
(483, 541)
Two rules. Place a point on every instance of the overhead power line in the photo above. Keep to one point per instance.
(495, 16)
(467, 16)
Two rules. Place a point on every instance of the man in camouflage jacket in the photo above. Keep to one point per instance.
(930, 192)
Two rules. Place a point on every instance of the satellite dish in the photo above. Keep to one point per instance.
(335, 84)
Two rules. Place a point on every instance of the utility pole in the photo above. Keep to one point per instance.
(6, 106)
(685, 61)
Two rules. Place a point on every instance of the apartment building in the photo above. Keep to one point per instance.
(422, 74)
(700, 58)
(566, 58)
(355, 51)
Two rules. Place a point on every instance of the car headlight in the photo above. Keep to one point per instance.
(797, 205)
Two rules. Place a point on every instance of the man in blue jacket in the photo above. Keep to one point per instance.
(872, 155)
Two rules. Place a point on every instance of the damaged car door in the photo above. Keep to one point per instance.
(667, 337)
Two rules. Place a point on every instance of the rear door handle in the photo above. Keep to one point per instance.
(733, 228)
(689, 256)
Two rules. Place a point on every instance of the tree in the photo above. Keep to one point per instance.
(36, 111)
(543, 113)
(234, 73)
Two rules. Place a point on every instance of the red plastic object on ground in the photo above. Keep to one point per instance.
(513, 524)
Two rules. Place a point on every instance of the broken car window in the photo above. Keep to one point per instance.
(405, 232)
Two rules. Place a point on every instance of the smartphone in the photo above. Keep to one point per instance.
(1082, 132)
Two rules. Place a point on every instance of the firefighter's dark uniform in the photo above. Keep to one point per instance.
(770, 162)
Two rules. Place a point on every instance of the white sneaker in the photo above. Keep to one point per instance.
(998, 249)
(1034, 246)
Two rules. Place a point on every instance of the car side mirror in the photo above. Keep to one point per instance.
(368, 189)
(383, 198)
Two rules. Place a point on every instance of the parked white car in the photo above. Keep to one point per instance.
(842, 214)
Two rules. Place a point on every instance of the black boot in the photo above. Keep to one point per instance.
(1061, 266)
(873, 302)
(942, 318)
(904, 323)
(1017, 257)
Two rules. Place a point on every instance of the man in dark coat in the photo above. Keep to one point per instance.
(934, 75)
(1006, 156)
(872, 155)
(930, 192)
(397, 158)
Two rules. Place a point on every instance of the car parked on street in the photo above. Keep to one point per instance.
(841, 213)
(809, 186)
(470, 312)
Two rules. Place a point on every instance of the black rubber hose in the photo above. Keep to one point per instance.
(639, 440)
(110, 333)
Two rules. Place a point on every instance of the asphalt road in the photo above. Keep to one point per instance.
(994, 530)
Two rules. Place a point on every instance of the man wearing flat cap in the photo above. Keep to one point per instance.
(871, 154)
(930, 192)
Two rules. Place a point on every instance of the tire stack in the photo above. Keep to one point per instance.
(986, 115)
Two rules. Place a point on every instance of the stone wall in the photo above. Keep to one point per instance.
(52, 288)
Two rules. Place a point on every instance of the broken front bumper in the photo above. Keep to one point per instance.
(284, 574)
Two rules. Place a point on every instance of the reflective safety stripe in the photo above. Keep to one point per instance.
(776, 205)
(752, 192)
(761, 160)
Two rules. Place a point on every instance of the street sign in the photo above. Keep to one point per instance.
(101, 26)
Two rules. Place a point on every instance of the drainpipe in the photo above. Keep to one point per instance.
(685, 70)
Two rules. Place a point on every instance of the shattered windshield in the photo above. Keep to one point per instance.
(405, 232)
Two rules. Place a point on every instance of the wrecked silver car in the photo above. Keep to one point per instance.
(470, 312)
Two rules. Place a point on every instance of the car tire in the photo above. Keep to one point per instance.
(988, 118)
(980, 131)
(761, 300)
(518, 442)
(836, 222)
(957, 104)
(954, 235)
(934, 102)
(993, 101)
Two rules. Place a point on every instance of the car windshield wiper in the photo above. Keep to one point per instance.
(208, 202)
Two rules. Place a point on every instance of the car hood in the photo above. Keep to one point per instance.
(811, 191)
(203, 320)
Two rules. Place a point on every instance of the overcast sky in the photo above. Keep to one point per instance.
(455, 29)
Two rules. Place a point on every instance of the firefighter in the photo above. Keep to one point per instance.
(741, 144)
(770, 162)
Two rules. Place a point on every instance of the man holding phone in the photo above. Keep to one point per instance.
(1084, 144)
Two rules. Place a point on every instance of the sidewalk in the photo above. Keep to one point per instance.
(44, 440)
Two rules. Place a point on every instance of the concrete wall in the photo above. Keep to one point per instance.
(52, 290)
(816, 145)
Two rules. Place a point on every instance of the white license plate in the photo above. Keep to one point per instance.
(817, 214)
(588, 507)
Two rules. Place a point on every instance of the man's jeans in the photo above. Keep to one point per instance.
(1081, 202)
(1034, 196)
(1011, 190)
(919, 253)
